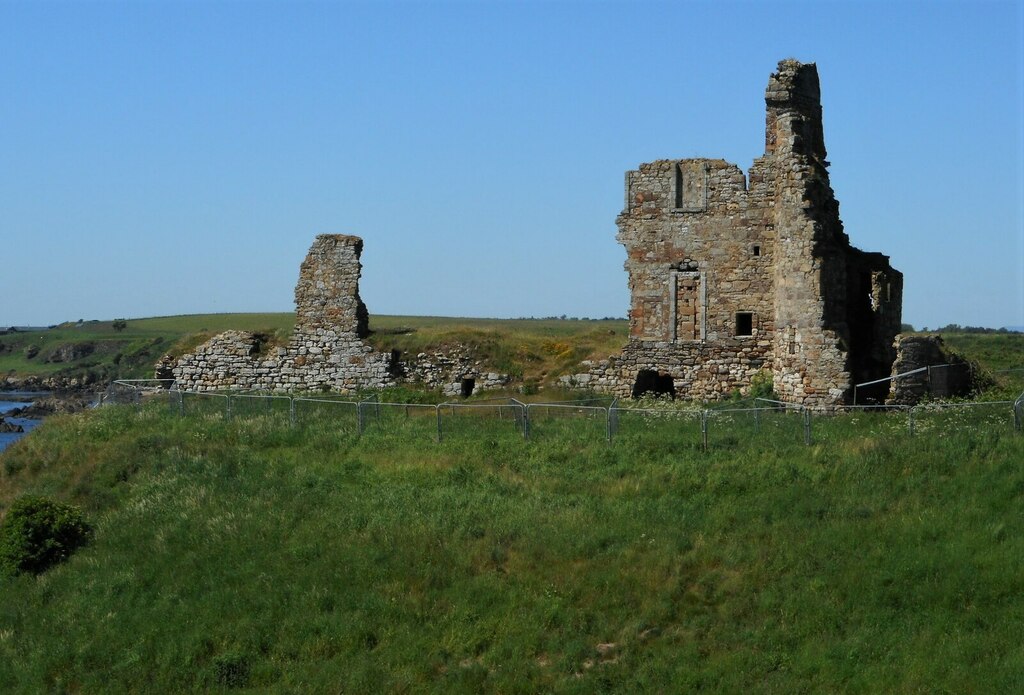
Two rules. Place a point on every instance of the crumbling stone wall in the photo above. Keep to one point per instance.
(729, 275)
(950, 375)
(326, 350)
(454, 371)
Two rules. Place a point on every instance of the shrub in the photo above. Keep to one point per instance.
(231, 670)
(763, 386)
(39, 533)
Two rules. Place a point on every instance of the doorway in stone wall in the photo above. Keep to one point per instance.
(649, 381)
(467, 386)
(688, 309)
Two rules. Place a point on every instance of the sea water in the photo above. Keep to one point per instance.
(8, 438)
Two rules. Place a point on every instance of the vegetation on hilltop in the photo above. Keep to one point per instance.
(533, 350)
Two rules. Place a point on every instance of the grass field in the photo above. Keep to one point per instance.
(245, 553)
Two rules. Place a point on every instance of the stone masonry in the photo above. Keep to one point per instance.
(326, 350)
(731, 275)
(944, 373)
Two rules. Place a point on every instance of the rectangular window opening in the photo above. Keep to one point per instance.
(744, 323)
(757, 250)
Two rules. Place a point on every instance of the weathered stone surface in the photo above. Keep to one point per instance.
(731, 275)
(452, 371)
(326, 350)
(947, 375)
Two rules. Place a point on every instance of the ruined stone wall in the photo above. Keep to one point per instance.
(729, 277)
(917, 351)
(454, 372)
(326, 350)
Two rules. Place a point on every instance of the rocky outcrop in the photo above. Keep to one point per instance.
(69, 352)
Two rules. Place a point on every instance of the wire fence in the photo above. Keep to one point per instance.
(723, 426)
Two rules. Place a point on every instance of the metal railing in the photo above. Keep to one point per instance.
(704, 426)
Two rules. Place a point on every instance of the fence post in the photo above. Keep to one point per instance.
(807, 426)
(359, 417)
(910, 420)
(1018, 414)
(437, 410)
(291, 411)
(704, 429)
(757, 419)
(608, 424)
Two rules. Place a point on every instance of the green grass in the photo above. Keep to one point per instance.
(1001, 354)
(244, 552)
(130, 353)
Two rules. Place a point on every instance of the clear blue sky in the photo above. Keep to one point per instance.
(178, 157)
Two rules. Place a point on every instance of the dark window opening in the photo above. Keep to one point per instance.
(679, 186)
(744, 323)
(757, 250)
(466, 390)
(657, 383)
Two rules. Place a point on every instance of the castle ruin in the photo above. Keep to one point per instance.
(731, 276)
(326, 350)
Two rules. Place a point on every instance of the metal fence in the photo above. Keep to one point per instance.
(725, 425)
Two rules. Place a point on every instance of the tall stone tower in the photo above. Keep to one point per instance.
(733, 276)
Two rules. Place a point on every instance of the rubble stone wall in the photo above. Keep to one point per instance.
(730, 275)
(953, 378)
(326, 350)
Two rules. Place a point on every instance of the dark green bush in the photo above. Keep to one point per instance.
(231, 670)
(39, 533)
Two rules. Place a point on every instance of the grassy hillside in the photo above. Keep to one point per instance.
(248, 554)
(535, 350)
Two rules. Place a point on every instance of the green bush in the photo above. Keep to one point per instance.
(231, 670)
(763, 386)
(39, 533)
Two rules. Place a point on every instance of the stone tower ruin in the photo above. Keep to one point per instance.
(732, 275)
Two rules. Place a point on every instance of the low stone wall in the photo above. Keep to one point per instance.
(917, 351)
(695, 371)
(238, 360)
(234, 361)
(449, 371)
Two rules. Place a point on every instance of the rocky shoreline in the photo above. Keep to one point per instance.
(54, 383)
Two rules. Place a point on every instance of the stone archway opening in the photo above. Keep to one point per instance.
(650, 381)
(467, 386)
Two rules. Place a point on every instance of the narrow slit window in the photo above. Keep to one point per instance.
(744, 323)
(757, 250)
